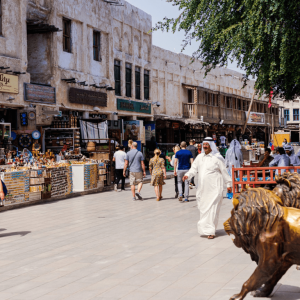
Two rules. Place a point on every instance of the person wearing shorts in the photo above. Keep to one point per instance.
(134, 160)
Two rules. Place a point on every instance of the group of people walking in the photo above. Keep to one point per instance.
(189, 161)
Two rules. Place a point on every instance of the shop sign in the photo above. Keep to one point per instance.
(256, 118)
(135, 106)
(80, 96)
(39, 93)
(175, 126)
(9, 84)
(149, 130)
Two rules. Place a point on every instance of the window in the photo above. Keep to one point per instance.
(296, 114)
(239, 106)
(1, 18)
(67, 35)
(96, 45)
(205, 98)
(146, 84)
(128, 80)
(117, 77)
(190, 96)
(229, 102)
(137, 83)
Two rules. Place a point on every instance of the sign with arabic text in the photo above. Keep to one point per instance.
(135, 106)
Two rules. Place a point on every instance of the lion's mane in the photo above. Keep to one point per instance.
(258, 210)
(291, 189)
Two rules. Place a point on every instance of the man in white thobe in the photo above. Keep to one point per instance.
(212, 175)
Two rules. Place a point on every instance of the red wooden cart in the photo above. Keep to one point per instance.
(256, 176)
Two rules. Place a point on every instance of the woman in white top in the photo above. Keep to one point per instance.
(172, 161)
(119, 159)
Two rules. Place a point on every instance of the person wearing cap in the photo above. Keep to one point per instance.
(281, 160)
(294, 160)
(212, 175)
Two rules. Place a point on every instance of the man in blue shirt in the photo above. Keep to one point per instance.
(281, 160)
(183, 159)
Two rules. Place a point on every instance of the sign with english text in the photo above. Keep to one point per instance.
(9, 84)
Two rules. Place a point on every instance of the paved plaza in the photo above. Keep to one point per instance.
(106, 246)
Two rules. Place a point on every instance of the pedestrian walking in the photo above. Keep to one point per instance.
(158, 173)
(172, 163)
(212, 175)
(199, 146)
(183, 158)
(234, 156)
(281, 160)
(294, 159)
(135, 162)
(194, 151)
(129, 145)
(119, 159)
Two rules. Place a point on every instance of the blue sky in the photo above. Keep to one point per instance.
(160, 9)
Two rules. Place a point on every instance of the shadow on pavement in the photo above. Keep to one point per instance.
(21, 233)
(220, 232)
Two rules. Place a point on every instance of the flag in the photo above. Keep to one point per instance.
(270, 98)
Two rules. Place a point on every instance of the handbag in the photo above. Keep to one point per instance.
(4, 188)
(128, 169)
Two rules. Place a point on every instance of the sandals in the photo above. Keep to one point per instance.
(157, 199)
(211, 237)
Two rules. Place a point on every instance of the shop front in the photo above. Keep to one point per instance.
(135, 116)
(50, 150)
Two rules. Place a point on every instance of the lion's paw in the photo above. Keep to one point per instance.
(260, 293)
(236, 297)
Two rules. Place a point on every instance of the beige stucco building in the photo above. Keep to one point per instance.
(95, 58)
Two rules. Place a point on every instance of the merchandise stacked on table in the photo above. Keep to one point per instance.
(17, 184)
(102, 174)
(90, 176)
(36, 183)
(61, 181)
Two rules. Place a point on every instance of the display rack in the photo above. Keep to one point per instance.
(59, 134)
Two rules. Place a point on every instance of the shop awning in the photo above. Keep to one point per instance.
(180, 119)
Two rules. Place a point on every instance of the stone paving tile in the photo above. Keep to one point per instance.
(106, 246)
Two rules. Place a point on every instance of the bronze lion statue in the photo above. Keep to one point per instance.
(288, 189)
(269, 232)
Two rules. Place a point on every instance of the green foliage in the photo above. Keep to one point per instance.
(263, 36)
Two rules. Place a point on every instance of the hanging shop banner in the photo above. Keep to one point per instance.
(39, 93)
(150, 130)
(9, 84)
(133, 130)
(256, 118)
(135, 106)
(87, 97)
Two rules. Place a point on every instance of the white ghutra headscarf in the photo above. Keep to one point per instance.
(212, 145)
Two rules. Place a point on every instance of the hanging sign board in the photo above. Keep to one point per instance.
(256, 118)
(39, 93)
(87, 97)
(9, 84)
(135, 106)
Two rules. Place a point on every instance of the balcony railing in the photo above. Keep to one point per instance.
(213, 114)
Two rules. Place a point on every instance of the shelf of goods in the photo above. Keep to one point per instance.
(55, 138)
